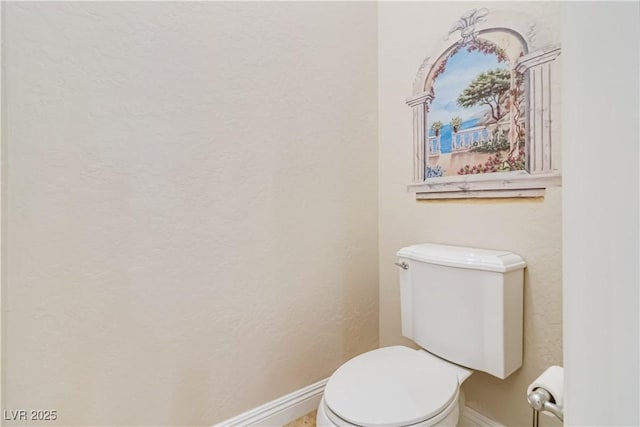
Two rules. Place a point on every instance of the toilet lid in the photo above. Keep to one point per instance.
(391, 386)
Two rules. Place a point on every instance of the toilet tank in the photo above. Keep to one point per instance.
(464, 305)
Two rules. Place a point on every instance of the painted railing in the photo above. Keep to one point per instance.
(433, 146)
(466, 139)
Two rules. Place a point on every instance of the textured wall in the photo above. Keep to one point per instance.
(407, 33)
(192, 208)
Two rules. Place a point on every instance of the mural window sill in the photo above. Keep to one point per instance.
(487, 185)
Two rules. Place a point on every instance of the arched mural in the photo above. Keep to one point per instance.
(473, 110)
(476, 114)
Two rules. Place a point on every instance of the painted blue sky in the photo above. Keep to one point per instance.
(461, 69)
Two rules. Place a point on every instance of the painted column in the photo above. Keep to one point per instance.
(514, 116)
(538, 64)
(420, 106)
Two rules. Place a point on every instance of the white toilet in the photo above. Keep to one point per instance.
(464, 307)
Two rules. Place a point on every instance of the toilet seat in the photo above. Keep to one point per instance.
(391, 387)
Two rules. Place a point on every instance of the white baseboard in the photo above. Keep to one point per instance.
(282, 410)
(472, 418)
(285, 409)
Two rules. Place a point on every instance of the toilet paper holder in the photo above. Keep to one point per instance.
(541, 400)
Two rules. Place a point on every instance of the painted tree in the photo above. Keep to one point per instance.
(489, 88)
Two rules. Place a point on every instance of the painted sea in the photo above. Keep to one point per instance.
(447, 130)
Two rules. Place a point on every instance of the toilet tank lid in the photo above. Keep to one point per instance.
(458, 256)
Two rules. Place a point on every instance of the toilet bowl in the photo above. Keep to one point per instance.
(393, 387)
(463, 307)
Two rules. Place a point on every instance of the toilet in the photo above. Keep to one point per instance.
(463, 307)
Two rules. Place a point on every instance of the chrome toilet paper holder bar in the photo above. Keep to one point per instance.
(541, 400)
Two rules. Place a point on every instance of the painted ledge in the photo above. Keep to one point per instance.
(490, 185)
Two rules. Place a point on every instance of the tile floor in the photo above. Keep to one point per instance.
(308, 420)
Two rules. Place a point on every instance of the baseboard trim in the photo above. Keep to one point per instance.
(280, 411)
(285, 409)
(472, 418)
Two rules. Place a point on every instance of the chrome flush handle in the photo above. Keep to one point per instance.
(403, 265)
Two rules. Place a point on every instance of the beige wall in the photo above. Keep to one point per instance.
(191, 205)
(187, 233)
(407, 33)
